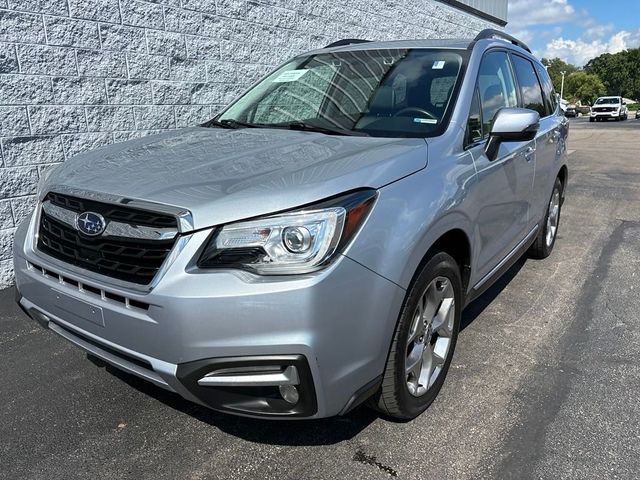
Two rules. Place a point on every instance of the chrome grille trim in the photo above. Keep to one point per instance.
(32, 252)
(182, 215)
(114, 229)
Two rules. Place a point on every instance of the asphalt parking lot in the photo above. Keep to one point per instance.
(545, 382)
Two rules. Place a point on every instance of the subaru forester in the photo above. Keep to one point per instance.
(312, 247)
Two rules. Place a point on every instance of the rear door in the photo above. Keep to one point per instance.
(504, 187)
(551, 140)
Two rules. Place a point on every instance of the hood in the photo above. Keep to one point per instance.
(224, 175)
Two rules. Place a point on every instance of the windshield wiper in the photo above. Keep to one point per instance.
(229, 123)
(306, 127)
(298, 125)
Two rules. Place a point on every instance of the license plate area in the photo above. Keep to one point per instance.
(67, 305)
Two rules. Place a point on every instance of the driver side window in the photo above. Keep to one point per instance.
(496, 86)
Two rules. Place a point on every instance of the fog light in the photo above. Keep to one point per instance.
(289, 393)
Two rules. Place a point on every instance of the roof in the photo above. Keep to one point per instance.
(451, 43)
(488, 34)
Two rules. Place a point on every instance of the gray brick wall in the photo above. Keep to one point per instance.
(79, 74)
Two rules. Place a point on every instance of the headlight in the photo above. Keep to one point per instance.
(294, 242)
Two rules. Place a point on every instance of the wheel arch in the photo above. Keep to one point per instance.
(455, 242)
(563, 175)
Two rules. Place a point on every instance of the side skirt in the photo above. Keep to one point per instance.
(505, 264)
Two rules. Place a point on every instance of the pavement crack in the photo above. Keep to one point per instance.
(362, 457)
(621, 322)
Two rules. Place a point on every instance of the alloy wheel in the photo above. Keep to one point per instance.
(553, 217)
(429, 339)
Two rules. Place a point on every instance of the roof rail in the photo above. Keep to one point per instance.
(493, 33)
(346, 41)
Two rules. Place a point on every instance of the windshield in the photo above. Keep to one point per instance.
(392, 93)
(607, 100)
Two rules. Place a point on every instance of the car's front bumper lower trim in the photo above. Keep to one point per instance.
(241, 385)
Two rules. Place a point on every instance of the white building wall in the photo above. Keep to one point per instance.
(79, 74)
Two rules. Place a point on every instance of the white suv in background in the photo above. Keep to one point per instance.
(609, 107)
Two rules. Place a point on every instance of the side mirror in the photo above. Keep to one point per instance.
(512, 125)
(624, 103)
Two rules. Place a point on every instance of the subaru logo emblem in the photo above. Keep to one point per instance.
(90, 223)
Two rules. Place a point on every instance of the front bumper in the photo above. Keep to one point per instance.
(605, 114)
(334, 325)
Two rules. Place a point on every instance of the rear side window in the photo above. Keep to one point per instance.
(550, 100)
(496, 86)
(530, 89)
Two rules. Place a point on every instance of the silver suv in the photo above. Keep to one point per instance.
(314, 245)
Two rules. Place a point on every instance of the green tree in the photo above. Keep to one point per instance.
(555, 67)
(619, 72)
(583, 86)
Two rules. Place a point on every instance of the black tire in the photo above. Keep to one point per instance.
(591, 119)
(541, 247)
(393, 398)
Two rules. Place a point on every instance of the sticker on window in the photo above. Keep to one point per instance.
(429, 121)
(438, 65)
(290, 76)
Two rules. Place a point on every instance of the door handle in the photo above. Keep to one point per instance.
(529, 154)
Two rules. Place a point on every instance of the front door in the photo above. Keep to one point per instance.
(504, 185)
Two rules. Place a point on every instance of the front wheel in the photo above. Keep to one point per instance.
(546, 239)
(424, 341)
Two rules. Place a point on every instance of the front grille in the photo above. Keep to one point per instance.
(113, 212)
(129, 259)
(603, 109)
